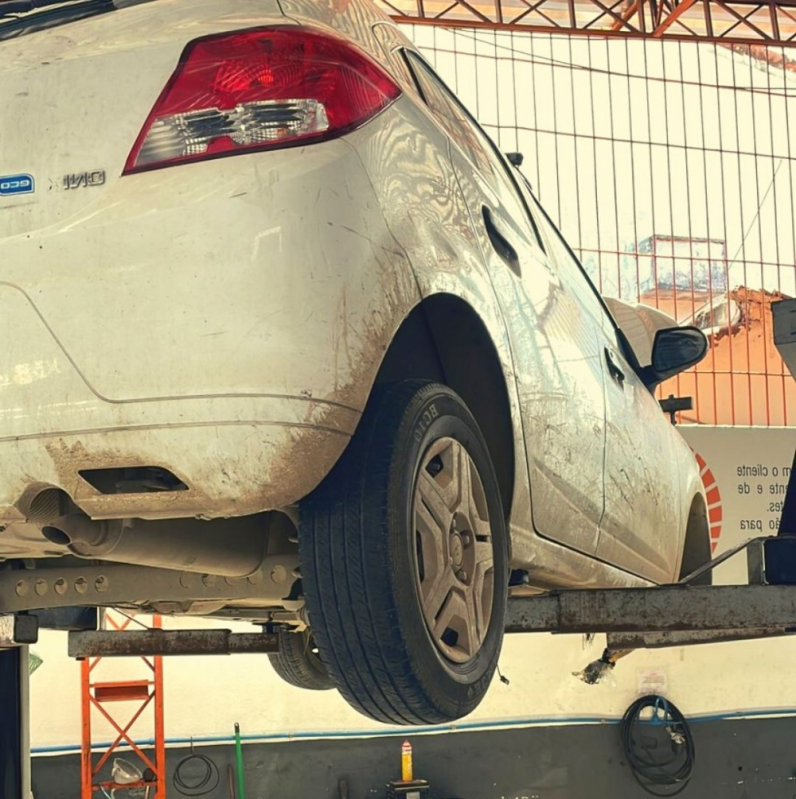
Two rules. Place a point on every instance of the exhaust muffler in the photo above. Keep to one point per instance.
(226, 547)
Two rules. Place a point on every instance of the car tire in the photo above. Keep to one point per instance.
(298, 663)
(407, 635)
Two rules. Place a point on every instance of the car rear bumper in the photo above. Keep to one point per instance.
(235, 455)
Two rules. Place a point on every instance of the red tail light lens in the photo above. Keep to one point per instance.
(260, 89)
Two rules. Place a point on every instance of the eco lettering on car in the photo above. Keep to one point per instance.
(16, 184)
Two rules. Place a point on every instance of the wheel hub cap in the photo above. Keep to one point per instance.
(454, 556)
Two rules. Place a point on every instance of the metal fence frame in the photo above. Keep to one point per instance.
(712, 129)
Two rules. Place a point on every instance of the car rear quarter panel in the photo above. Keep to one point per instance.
(353, 19)
(406, 156)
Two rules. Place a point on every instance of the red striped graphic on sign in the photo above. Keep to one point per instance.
(713, 496)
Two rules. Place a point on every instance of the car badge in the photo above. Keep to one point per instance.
(84, 180)
(11, 185)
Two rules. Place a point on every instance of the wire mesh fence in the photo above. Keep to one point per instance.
(670, 169)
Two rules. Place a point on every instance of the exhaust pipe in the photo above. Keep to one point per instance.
(226, 547)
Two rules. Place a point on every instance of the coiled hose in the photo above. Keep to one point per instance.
(659, 770)
(202, 781)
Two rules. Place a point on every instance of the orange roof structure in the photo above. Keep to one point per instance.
(771, 22)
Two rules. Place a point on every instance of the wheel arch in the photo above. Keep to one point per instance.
(444, 339)
(696, 543)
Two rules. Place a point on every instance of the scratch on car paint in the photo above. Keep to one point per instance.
(356, 233)
(620, 490)
(374, 245)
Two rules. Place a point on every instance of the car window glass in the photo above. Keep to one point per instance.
(447, 111)
(392, 46)
(571, 272)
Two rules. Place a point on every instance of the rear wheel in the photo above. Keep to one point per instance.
(404, 560)
(298, 662)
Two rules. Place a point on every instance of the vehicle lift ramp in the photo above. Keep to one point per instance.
(632, 618)
(14, 733)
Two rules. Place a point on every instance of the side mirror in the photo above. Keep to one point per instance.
(674, 350)
(515, 159)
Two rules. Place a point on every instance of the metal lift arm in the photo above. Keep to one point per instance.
(666, 608)
(672, 615)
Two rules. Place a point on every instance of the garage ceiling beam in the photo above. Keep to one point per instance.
(749, 22)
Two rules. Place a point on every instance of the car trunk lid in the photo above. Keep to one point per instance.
(74, 98)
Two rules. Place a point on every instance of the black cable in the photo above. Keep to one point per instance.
(202, 784)
(667, 773)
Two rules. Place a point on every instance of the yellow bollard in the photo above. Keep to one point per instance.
(406, 761)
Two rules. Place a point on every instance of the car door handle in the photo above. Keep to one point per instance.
(614, 369)
(500, 243)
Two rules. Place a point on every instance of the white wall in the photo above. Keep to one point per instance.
(205, 696)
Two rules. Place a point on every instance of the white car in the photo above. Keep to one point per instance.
(286, 338)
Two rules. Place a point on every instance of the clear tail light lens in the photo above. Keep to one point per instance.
(259, 89)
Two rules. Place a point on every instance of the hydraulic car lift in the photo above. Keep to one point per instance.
(14, 760)
(632, 618)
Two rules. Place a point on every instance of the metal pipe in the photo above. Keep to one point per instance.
(147, 643)
(239, 762)
(227, 547)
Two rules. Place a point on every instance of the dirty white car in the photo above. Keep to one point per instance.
(286, 338)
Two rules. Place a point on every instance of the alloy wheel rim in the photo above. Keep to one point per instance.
(454, 561)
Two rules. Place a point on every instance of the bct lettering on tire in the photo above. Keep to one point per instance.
(404, 560)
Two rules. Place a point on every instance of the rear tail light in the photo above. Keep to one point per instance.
(260, 89)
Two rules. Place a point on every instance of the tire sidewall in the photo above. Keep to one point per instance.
(442, 415)
(296, 665)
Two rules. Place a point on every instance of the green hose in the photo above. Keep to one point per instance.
(239, 760)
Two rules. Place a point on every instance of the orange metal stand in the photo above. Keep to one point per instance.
(144, 693)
